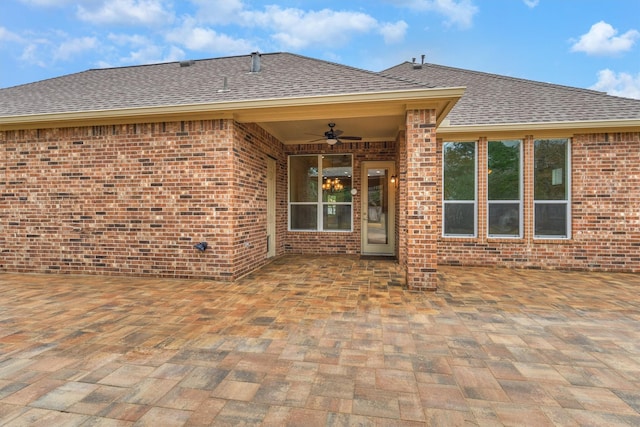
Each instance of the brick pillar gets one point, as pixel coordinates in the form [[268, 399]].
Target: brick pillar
[[401, 199], [422, 199]]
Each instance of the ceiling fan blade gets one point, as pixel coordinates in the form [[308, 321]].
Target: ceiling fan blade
[[332, 136]]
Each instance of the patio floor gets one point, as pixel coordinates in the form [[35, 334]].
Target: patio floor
[[317, 341]]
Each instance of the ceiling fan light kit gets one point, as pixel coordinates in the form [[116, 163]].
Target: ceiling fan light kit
[[333, 136]]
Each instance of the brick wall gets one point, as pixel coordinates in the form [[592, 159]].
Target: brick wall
[[422, 199], [605, 213], [132, 199], [337, 242], [252, 147], [401, 199]]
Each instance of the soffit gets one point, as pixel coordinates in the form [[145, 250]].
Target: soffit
[[293, 97], [539, 130], [375, 116]]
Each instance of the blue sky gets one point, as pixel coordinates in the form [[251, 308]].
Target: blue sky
[[583, 43]]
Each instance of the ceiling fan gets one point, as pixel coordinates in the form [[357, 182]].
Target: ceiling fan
[[334, 136]]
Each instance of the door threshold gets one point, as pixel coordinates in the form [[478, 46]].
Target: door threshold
[[378, 257]]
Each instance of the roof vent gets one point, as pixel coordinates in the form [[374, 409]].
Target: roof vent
[[225, 85], [187, 63], [255, 62], [418, 66]]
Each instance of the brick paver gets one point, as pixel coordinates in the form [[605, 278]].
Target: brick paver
[[321, 341]]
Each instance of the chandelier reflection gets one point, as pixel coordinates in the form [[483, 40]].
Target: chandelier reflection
[[332, 184]]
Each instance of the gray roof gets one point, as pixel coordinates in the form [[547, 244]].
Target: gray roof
[[282, 75], [489, 98], [494, 99]]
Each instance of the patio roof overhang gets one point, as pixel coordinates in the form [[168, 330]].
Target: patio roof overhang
[[372, 115]]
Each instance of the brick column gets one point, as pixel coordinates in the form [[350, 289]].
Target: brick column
[[423, 186]]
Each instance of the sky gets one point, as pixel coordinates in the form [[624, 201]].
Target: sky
[[591, 44]]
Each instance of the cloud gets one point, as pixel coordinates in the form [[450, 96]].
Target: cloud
[[31, 54], [138, 49], [456, 12], [205, 39], [9, 36], [618, 84], [128, 12], [148, 54], [48, 2], [152, 54], [394, 33], [73, 47], [531, 3], [47, 49], [295, 28], [129, 39], [602, 40], [218, 11]]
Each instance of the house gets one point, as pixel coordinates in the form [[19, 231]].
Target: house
[[131, 170], [556, 174]]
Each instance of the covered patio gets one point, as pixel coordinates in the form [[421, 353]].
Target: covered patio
[[314, 341]]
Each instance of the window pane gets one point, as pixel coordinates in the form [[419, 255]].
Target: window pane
[[504, 170], [304, 217], [314, 179], [459, 170], [551, 220], [303, 179], [337, 217], [459, 219], [504, 219], [336, 178], [551, 169]]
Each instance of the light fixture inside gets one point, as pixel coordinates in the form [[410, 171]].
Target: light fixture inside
[[331, 141], [332, 185]]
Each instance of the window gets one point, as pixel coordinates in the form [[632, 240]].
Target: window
[[320, 193], [551, 188], [459, 192], [504, 188]]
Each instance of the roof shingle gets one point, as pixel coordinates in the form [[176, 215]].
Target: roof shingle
[[489, 98], [282, 75], [494, 99]]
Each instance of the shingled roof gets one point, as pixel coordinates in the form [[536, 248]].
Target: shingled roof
[[489, 99], [281, 75], [494, 99]]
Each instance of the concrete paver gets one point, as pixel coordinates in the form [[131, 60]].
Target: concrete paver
[[322, 341]]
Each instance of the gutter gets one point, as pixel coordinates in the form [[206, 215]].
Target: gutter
[[627, 124], [228, 109]]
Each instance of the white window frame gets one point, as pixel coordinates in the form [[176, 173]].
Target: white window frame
[[566, 202], [319, 202], [518, 201], [475, 195]]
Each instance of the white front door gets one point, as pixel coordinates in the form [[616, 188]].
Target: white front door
[[271, 207], [378, 208]]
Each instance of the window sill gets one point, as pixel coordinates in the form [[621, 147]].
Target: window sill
[[506, 240], [555, 241], [320, 231]]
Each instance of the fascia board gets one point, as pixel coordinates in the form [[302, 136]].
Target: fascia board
[[247, 108], [631, 125]]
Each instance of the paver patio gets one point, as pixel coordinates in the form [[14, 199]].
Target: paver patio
[[311, 341]]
